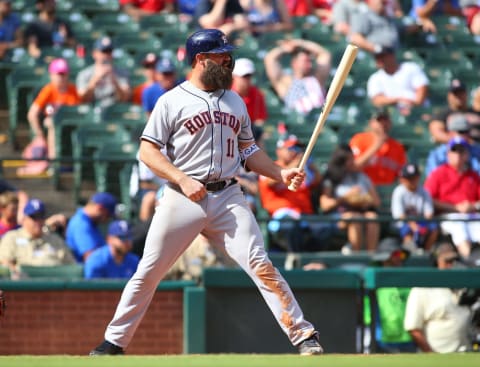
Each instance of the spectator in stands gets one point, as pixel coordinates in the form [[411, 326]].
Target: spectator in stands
[[267, 16], [322, 9], [457, 126], [412, 209], [455, 189], [252, 96], [83, 234], [198, 256], [165, 79], [349, 194], [476, 99], [299, 8], [376, 153], [103, 84], [390, 335], [457, 100], [433, 316], [373, 28], [295, 233], [10, 205], [225, 15], [114, 259], [8, 212], [5, 187], [343, 12], [426, 10], [60, 91], [31, 244], [402, 85], [47, 30], [137, 9], [303, 89], [11, 35], [471, 12], [148, 64]]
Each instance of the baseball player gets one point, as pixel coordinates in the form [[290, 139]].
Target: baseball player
[[206, 131]]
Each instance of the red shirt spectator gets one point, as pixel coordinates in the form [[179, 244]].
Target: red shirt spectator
[[251, 95], [299, 8]]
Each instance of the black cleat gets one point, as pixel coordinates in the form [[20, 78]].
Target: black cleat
[[310, 346], [107, 348]]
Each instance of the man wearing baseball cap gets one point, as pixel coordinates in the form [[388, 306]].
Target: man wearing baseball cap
[[148, 64], [281, 203], [457, 102], [30, 244], [114, 259], [165, 79], [83, 234], [243, 73], [410, 199], [457, 126], [102, 84], [455, 189]]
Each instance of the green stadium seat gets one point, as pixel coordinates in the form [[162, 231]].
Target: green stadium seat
[[66, 120], [94, 7], [114, 23], [86, 140], [70, 271], [138, 42], [162, 23], [112, 168], [130, 116], [20, 82]]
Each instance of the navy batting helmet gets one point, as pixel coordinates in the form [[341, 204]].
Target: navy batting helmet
[[207, 41]]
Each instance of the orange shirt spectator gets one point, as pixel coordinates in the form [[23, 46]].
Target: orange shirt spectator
[[59, 91], [50, 96], [276, 196], [376, 153]]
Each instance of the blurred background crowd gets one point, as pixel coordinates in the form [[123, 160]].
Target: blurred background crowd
[[398, 159]]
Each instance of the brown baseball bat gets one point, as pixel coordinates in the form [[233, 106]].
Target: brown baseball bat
[[335, 88]]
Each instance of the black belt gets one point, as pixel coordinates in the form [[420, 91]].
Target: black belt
[[219, 185]]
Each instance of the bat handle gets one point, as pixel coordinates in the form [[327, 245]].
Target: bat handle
[[301, 166]]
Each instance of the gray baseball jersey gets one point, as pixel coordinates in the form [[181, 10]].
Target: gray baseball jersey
[[200, 131]]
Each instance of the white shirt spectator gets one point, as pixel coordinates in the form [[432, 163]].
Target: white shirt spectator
[[403, 83]]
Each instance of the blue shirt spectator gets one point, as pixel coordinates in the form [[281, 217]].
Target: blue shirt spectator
[[10, 31], [457, 125], [113, 260], [165, 76], [439, 8], [9, 24], [83, 234]]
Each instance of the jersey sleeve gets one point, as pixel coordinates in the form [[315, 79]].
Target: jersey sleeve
[[157, 129]]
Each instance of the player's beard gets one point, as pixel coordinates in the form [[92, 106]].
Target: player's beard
[[217, 76]]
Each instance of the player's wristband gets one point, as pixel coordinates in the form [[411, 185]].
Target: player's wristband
[[247, 152]]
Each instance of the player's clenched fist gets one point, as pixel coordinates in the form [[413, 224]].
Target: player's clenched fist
[[192, 189], [293, 177]]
